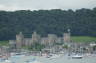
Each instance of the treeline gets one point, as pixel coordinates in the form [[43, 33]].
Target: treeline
[[56, 21]]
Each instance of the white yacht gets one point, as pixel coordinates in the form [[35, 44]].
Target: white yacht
[[77, 56]]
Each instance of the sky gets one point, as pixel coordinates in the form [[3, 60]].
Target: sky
[[11, 5]]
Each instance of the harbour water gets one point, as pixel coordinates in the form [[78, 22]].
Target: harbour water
[[40, 59], [65, 59]]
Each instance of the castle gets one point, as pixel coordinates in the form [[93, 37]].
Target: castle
[[50, 40]]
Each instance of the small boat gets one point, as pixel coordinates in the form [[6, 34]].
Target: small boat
[[77, 56], [7, 61], [55, 56]]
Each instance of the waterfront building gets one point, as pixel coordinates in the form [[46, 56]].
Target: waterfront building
[[93, 47]]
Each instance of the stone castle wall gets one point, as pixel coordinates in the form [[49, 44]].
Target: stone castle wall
[[48, 41]]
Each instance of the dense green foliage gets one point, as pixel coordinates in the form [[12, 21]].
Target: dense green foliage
[[81, 22]]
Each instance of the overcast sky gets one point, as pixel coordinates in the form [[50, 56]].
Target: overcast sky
[[11, 5]]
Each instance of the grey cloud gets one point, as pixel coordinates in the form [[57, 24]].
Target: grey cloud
[[48, 4]]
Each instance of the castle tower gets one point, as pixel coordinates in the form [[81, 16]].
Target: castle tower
[[66, 36], [19, 40], [35, 37]]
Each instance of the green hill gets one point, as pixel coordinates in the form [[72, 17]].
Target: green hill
[[82, 22], [83, 39]]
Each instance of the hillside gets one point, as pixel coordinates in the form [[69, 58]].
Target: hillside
[[82, 22]]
